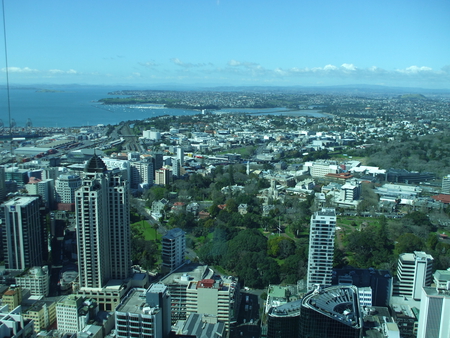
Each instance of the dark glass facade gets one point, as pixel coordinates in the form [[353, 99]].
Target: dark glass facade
[[284, 326], [313, 324]]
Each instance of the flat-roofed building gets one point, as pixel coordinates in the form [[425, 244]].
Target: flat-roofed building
[[178, 282], [12, 297], [42, 313], [37, 280], [173, 249], [435, 307], [214, 297], [14, 324], [23, 240], [73, 313], [414, 271], [144, 313]]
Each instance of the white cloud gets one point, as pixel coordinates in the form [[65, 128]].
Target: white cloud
[[180, 63], [20, 70], [59, 71], [234, 63], [330, 67], [415, 70], [349, 66]]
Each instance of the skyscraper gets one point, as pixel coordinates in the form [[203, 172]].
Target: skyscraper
[[23, 233], [103, 226], [321, 247]]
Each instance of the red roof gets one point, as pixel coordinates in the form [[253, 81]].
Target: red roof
[[442, 198]]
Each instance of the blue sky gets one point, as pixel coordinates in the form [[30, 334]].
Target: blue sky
[[228, 42]]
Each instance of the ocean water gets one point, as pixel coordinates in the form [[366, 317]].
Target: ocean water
[[79, 106]]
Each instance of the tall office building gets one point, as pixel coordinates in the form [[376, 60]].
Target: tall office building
[[321, 247], [103, 226], [173, 249], [435, 307], [23, 233], [414, 271]]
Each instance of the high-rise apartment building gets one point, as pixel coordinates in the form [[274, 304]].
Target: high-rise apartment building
[[23, 242], [103, 226], [141, 174], [414, 271], [321, 247], [435, 307], [163, 176], [173, 249]]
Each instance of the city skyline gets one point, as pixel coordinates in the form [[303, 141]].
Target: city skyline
[[217, 42]]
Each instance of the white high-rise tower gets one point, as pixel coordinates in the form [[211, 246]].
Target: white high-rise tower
[[321, 247], [103, 226]]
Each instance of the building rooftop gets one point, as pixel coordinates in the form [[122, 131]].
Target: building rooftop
[[326, 212], [174, 233], [337, 302], [287, 310], [187, 273]]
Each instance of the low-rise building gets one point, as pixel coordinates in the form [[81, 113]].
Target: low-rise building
[[73, 313], [36, 279]]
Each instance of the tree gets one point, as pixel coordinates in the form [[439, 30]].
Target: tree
[[408, 242]]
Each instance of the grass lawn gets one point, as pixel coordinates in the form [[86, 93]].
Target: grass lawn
[[150, 234]]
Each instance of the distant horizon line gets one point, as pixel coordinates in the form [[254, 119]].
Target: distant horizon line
[[240, 87]]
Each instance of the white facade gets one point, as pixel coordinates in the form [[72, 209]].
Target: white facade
[[144, 313], [446, 184], [365, 296], [151, 135], [37, 280], [350, 191], [73, 312], [414, 271], [214, 298], [103, 226], [65, 187], [141, 174], [435, 308], [22, 233], [321, 247], [322, 168]]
